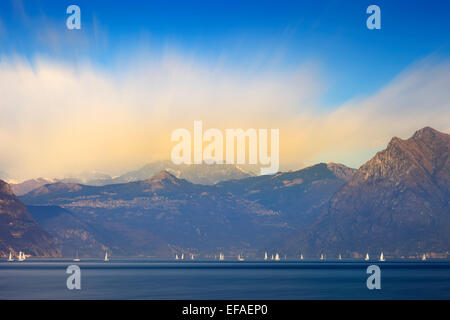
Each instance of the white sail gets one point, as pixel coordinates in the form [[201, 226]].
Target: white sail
[[277, 257], [265, 256], [367, 257], [301, 256], [192, 256], [382, 257], [424, 257], [106, 256], [21, 256], [176, 257], [221, 256], [340, 257], [240, 258], [76, 257], [182, 256], [10, 257], [322, 257]]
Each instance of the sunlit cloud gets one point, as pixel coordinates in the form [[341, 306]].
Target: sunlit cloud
[[59, 119], [352, 133]]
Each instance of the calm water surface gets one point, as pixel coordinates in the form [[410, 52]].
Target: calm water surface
[[133, 279]]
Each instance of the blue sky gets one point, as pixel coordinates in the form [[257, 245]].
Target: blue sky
[[108, 96], [282, 34]]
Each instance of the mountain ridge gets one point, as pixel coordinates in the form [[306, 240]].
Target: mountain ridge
[[230, 215], [397, 202], [401, 193], [195, 173], [19, 231]]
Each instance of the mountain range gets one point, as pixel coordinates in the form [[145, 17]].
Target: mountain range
[[397, 202], [177, 215], [196, 173]]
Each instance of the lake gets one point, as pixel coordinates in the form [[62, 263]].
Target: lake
[[145, 279]]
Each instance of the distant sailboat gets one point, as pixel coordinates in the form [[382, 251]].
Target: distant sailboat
[[21, 256], [240, 258], [10, 257], [271, 257], [340, 257], [192, 256], [424, 257], [367, 257], [265, 256], [322, 257], [382, 257], [301, 256], [277, 257], [76, 257], [182, 256], [176, 257], [221, 257], [106, 256]]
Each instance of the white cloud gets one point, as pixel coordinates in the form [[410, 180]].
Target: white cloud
[[417, 98], [58, 119]]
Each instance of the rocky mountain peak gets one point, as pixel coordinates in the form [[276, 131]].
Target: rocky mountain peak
[[163, 179], [5, 189], [422, 155], [428, 134], [341, 171]]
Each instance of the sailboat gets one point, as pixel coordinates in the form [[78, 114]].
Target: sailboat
[[221, 257], [277, 257], [301, 256], [10, 257], [106, 256], [322, 257], [76, 257], [424, 257], [182, 256], [265, 256], [176, 257], [271, 257], [340, 257], [21, 256], [367, 257], [192, 256], [382, 257], [240, 258]]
